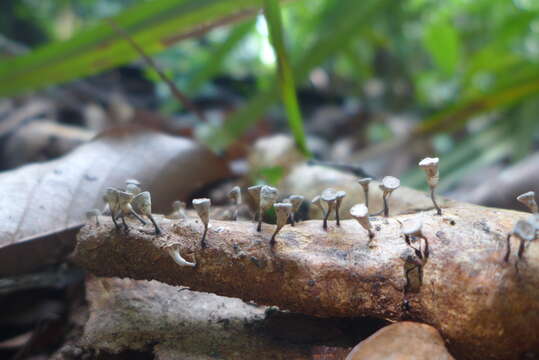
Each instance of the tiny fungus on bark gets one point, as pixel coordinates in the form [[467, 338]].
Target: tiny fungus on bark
[[120, 205], [329, 196], [412, 229], [296, 201], [317, 201], [282, 213], [202, 207], [254, 191], [132, 186], [364, 182], [524, 230], [388, 185], [268, 197], [178, 259], [528, 199], [93, 214], [178, 210], [430, 166], [360, 212], [142, 204], [235, 196], [340, 196]]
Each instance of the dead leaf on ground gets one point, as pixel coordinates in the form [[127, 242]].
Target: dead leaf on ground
[[45, 200]]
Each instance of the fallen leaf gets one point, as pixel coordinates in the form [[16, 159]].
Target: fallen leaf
[[44, 200]]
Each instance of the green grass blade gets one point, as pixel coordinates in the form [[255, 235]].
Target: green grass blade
[[154, 25], [272, 14]]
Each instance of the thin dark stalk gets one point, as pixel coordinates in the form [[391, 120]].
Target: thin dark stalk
[[386, 207], [432, 196], [259, 226], [142, 221], [203, 241], [337, 217], [113, 215], [157, 229], [508, 252]]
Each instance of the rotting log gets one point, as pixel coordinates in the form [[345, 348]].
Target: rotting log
[[484, 307]]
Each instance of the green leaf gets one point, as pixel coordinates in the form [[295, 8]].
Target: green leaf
[[154, 25], [272, 13], [442, 42]]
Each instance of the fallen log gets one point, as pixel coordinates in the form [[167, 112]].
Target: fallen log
[[484, 307]]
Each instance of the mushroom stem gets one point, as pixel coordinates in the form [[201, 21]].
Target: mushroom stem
[[178, 259], [272, 240], [157, 229], [132, 212], [326, 215], [508, 252], [433, 198], [113, 216], [203, 241], [259, 226], [386, 207]]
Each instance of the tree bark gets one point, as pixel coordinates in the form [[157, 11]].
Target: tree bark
[[484, 307]]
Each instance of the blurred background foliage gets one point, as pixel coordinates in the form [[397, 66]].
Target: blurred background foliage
[[463, 73]]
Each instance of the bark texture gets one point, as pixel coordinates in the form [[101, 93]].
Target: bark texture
[[483, 307]]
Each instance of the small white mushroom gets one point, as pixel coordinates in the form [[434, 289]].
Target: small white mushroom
[[142, 204], [524, 230], [282, 213], [202, 207], [528, 199], [413, 228], [340, 196], [317, 201], [254, 192], [235, 196], [364, 182], [360, 212], [119, 203], [296, 201], [430, 166], [329, 196], [93, 214], [178, 259], [268, 196], [178, 210], [132, 186], [388, 185]]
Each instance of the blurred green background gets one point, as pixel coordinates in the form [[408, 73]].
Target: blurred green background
[[463, 74]]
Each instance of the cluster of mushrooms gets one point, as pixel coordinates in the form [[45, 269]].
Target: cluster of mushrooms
[[132, 201]]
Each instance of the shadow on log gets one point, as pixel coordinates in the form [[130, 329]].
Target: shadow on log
[[483, 307]]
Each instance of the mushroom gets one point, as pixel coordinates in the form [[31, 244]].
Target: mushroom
[[254, 191], [360, 212], [93, 214], [430, 166], [528, 199], [202, 207], [296, 201], [525, 230], [329, 196], [120, 204], [132, 186], [268, 196], [178, 259], [412, 228], [235, 196], [340, 196], [388, 185], [178, 210], [317, 201], [364, 182], [282, 213], [142, 204]]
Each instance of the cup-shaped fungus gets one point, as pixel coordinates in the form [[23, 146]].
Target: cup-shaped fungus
[[93, 214], [329, 196], [430, 166], [142, 204], [119, 203], [524, 230], [388, 185], [364, 182], [254, 191], [235, 196], [528, 199], [282, 213], [317, 201], [340, 196], [132, 186], [202, 207], [360, 212], [412, 229], [268, 196], [296, 201]]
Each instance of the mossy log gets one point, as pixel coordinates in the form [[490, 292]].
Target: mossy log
[[484, 308]]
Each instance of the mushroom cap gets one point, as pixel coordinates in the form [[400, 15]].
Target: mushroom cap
[[235, 194], [364, 181], [202, 204], [359, 211], [296, 201], [178, 205], [124, 198], [316, 200], [429, 162], [142, 203], [526, 197], [341, 194], [132, 189], [268, 196], [329, 195], [412, 227], [389, 183], [282, 207], [525, 230], [132, 182], [254, 191], [110, 195]]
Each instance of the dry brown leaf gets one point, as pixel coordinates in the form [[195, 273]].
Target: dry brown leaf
[[40, 201]]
